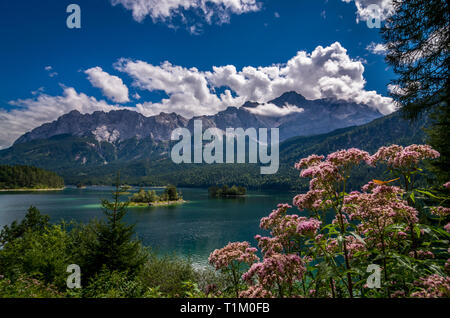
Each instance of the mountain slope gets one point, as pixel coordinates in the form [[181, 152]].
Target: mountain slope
[[157, 169], [318, 116]]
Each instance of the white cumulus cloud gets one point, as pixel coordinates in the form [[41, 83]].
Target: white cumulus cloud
[[111, 86], [209, 11], [377, 48], [33, 112], [327, 72], [272, 110]]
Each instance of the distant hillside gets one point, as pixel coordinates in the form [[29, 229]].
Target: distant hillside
[[310, 117], [159, 169], [24, 177], [91, 147], [384, 131]]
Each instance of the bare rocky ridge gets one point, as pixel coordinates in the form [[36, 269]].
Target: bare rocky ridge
[[317, 117]]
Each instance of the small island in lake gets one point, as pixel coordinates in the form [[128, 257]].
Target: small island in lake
[[149, 198], [227, 192], [25, 178]]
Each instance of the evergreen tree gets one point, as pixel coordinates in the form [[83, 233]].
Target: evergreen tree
[[172, 194], [33, 221], [417, 39], [114, 247]]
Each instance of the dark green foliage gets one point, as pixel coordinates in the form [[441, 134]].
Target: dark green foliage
[[168, 273], [225, 191], [143, 196], [21, 177], [439, 139], [171, 192], [42, 255], [113, 247], [34, 221], [114, 284], [418, 40], [26, 287]]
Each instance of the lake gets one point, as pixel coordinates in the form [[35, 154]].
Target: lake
[[192, 230]]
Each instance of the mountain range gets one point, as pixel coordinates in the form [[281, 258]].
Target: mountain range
[[92, 147], [306, 117]]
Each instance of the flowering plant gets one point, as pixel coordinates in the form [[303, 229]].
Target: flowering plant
[[400, 228]]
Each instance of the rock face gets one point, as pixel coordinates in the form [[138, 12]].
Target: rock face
[[111, 127], [115, 127]]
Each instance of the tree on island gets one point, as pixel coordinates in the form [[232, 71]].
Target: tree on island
[[143, 196], [170, 194], [225, 191]]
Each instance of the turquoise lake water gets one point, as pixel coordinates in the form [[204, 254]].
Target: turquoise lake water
[[192, 230]]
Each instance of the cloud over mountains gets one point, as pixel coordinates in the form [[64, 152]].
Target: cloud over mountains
[[111, 86], [326, 72]]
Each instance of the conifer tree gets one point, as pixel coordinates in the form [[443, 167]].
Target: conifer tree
[[115, 248], [417, 40]]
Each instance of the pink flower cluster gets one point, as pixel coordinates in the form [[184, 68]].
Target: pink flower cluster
[[312, 200], [433, 286], [269, 245], [276, 269], [240, 252], [308, 227], [325, 172], [378, 209], [307, 162], [274, 218], [383, 203], [256, 291], [447, 227], [447, 185], [325, 175], [285, 230], [440, 211], [421, 254], [353, 245], [352, 156], [399, 157]]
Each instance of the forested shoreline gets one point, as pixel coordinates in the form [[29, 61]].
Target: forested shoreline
[[28, 178]]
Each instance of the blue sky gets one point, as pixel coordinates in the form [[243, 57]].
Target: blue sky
[[116, 59]]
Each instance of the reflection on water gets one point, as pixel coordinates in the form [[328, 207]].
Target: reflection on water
[[194, 229]]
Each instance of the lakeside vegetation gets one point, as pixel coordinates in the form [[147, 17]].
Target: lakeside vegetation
[[398, 227], [227, 192], [28, 178], [34, 255], [169, 197]]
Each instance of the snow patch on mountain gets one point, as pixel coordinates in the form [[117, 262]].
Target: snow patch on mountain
[[102, 133]]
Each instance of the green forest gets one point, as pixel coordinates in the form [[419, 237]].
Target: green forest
[[24, 177]]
